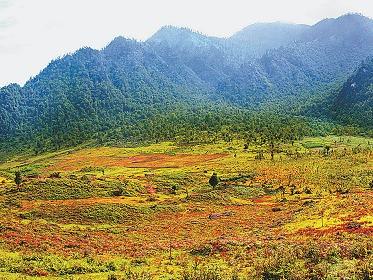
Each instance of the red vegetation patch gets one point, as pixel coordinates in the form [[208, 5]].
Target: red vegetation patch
[[262, 199], [74, 162], [337, 230], [151, 190], [185, 230]]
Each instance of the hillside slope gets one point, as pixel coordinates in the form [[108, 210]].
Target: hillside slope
[[325, 53], [354, 102], [114, 90]]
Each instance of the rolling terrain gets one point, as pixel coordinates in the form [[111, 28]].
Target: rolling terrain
[[148, 212], [192, 157]]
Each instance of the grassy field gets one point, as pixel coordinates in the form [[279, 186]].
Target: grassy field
[[150, 213]]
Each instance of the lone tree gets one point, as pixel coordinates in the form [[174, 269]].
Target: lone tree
[[18, 178], [214, 180], [327, 150]]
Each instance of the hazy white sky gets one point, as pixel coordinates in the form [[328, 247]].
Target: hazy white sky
[[33, 32]]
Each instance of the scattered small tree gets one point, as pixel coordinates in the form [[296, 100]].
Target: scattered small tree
[[174, 188], [259, 155], [307, 190], [118, 192], [38, 147], [214, 180], [272, 149], [326, 150], [18, 178]]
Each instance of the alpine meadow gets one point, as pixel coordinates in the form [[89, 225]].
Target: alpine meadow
[[186, 156]]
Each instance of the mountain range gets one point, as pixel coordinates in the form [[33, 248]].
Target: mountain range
[[295, 68]]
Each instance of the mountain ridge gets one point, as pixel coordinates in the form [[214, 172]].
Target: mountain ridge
[[127, 82]]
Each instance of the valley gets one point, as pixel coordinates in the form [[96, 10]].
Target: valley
[[149, 212], [170, 154]]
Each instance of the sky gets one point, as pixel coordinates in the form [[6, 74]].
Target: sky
[[33, 32]]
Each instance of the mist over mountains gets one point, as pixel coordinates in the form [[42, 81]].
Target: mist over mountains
[[178, 70]]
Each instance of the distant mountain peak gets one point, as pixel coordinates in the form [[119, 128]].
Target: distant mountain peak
[[180, 37], [120, 46], [170, 30], [269, 29], [258, 38], [176, 29], [353, 16], [121, 41], [347, 28]]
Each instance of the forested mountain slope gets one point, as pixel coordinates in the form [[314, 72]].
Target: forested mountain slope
[[353, 104], [327, 52], [93, 91], [254, 40], [178, 71]]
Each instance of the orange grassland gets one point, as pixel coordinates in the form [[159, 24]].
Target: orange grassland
[[149, 213]]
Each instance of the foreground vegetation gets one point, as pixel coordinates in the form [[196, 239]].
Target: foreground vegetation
[[296, 210]]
